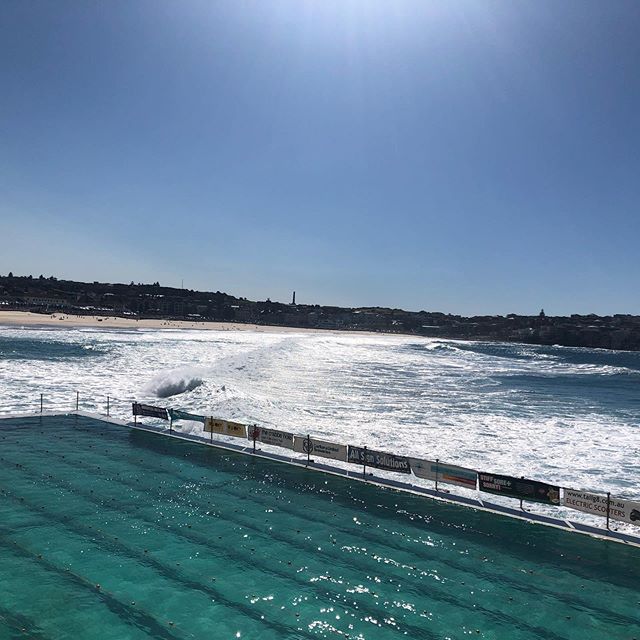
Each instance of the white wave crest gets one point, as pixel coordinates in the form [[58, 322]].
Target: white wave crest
[[173, 382]]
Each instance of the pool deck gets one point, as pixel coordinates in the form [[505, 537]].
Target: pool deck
[[371, 477]]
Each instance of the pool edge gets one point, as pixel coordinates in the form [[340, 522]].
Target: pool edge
[[371, 478]]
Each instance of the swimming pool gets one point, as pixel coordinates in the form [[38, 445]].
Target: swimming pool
[[110, 532]]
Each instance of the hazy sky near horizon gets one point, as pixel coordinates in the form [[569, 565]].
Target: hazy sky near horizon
[[459, 156]]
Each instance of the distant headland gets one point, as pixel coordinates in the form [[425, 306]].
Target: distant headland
[[154, 302]]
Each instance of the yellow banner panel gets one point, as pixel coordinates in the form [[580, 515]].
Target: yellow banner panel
[[236, 429], [214, 425]]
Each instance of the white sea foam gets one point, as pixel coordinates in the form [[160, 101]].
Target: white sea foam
[[174, 382]]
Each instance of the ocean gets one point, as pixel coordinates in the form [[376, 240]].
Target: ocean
[[567, 416]]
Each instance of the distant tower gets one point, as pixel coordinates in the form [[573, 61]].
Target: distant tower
[[294, 298], [542, 313]]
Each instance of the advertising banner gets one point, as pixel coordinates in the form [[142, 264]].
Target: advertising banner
[[225, 427], [519, 488], [585, 502], [271, 436], [150, 411], [177, 414], [214, 425], [596, 504], [625, 511], [447, 473], [235, 429], [322, 448], [379, 459]]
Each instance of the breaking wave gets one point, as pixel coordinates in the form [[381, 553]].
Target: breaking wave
[[174, 382]]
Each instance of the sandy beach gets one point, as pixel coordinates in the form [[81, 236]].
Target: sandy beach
[[66, 320]]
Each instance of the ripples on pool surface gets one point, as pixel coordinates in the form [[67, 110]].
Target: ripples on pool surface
[[107, 533]]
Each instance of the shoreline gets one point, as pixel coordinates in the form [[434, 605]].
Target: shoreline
[[59, 320]]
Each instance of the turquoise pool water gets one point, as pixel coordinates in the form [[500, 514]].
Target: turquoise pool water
[[107, 532]]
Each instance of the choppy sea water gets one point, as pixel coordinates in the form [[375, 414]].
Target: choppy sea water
[[563, 415]]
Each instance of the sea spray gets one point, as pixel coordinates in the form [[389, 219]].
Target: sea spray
[[174, 382]]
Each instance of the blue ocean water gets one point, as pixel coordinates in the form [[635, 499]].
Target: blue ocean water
[[34, 349], [111, 533]]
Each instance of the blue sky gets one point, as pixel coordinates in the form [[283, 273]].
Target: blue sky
[[466, 157]]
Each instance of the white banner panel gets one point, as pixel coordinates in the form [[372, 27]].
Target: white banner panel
[[273, 437], [321, 448], [625, 511], [596, 504], [585, 502], [447, 473]]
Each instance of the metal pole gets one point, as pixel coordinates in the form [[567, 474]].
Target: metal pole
[[255, 435], [41, 402], [308, 449], [77, 400], [437, 471], [107, 406], [364, 465], [608, 509], [521, 507]]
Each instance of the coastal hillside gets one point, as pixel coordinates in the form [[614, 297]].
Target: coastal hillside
[[47, 295]]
